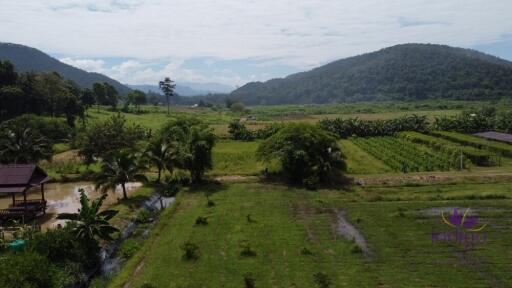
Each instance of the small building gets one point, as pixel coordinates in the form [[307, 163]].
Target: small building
[[16, 180]]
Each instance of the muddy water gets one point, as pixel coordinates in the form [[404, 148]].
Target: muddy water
[[65, 197]]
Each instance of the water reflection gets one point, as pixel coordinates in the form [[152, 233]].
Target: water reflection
[[65, 198]]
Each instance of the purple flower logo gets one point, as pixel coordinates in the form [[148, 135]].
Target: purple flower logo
[[462, 221]]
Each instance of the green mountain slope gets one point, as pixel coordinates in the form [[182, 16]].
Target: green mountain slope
[[404, 72], [29, 59]]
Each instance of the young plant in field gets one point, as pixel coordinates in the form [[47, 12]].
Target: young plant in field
[[90, 221], [191, 251]]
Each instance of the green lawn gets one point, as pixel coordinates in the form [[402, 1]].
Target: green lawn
[[236, 157], [286, 220]]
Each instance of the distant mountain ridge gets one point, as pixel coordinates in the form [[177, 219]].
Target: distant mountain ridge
[[188, 88], [401, 72], [26, 59]]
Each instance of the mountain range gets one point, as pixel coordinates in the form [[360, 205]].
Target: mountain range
[[26, 59], [401, 72]]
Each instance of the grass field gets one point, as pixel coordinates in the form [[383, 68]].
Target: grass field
[[285, 221]]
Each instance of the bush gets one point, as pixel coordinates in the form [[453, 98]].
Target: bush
[[249, 280], [191, 251], [238, 131], [307, 154], [201, 221], [356, 249], [144, 216], [27, 268], [322, 280], [129, 248], [247, 250]]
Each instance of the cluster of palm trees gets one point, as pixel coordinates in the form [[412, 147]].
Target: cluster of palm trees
[[21, 144], [181, 144]]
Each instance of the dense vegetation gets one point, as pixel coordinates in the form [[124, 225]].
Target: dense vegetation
[[307, 154], [27, 59], [402, 72]]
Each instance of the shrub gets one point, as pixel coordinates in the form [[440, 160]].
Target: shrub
[[238, 131], [322, 280], [144, 216], [249, 280], [201, 221], [27, 268], [356, 249], [306, 252], [191, 251], [129, 248], [247, 250]]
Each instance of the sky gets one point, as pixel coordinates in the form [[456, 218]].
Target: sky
[[237, 41]]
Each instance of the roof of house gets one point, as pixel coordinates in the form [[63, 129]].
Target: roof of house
[[16, 178], [492, 135]]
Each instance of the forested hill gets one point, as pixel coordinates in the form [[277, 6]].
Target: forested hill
[[29, 59], [404, 72]]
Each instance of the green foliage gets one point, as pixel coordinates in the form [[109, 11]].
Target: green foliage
[[41, 94], [20, 144], [163, 153], [307, 154], [103, 138], [247, 250], [402, 72], [128, 248], [238, 131], [167, 86], [249, 280], [405, 156], [200, 220], [480, 143], [90, 221], [62, 247], [477, 156], [197, 153], [26, 270], [237, 107], [105, 94], [322, 280], [191, 251], [136, 98], [345, 128], [120, 168]]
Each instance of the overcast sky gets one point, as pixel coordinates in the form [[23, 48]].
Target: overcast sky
[[236, 41]]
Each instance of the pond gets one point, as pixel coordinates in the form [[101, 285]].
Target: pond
[[65, 198]]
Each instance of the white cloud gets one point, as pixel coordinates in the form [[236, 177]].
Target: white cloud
[[302, 33]]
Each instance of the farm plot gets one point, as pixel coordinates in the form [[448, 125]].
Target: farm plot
[[405, 156], [477, 156], [470, 140]]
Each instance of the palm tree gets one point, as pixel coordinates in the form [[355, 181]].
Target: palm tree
[[21, 145], [90, 222], [119, 169], [163, 155]]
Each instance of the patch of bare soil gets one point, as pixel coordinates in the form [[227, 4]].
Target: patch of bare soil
[[350, 232]]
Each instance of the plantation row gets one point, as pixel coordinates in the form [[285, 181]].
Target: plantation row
[[476, 156], [405, 156], [470, 140]]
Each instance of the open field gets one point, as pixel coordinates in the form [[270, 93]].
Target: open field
[[294, 235], [153, 117]]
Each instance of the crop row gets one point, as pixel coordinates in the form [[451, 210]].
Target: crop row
[[477, 156], [470, 140], [405, 156]]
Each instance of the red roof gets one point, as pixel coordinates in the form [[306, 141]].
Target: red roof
[[16, 178]]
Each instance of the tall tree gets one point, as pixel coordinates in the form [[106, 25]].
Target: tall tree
[[98, 90], [119, 169], [87, 98], [167, 86]]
